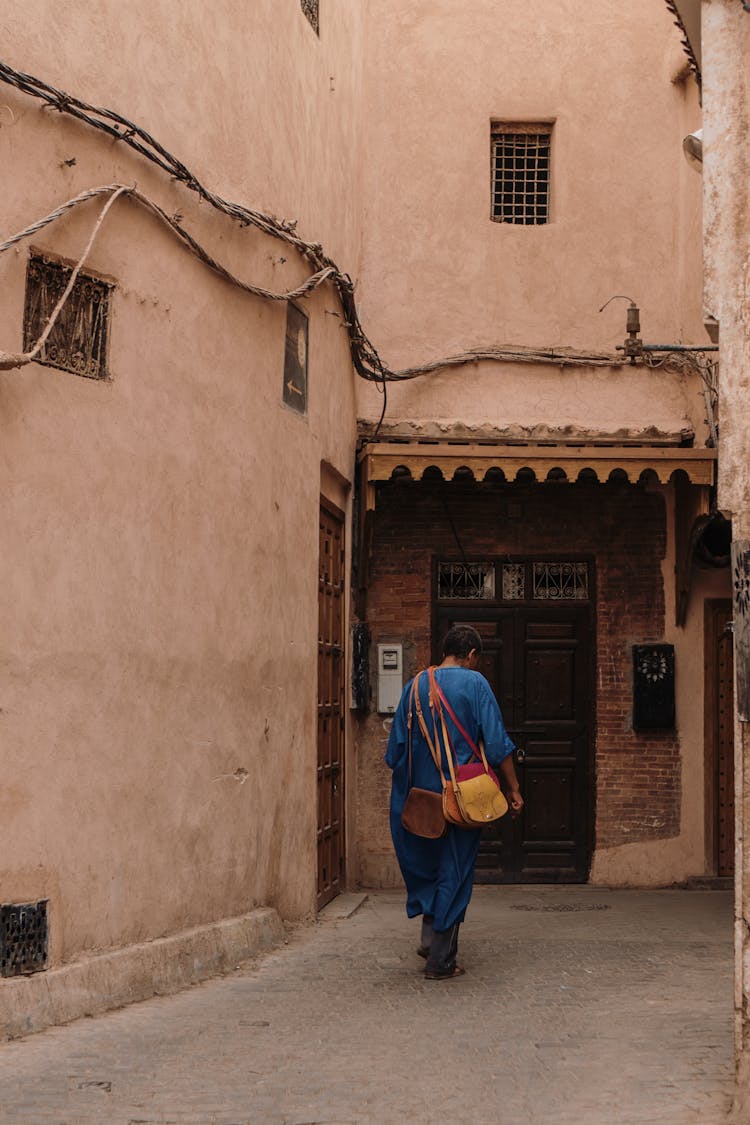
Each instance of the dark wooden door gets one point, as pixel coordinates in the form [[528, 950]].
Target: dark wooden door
[[539, 664], [330, 704], [720, 733]]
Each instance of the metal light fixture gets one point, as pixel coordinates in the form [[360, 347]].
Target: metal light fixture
[[692, 146], [633, 345]]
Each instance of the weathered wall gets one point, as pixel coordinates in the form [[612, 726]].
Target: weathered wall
[[726, 180], [158, 606]]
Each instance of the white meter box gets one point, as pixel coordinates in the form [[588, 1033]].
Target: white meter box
[[390, 677]]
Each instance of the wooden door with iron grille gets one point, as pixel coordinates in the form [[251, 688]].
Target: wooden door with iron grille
[[539, 664], [330, 704]]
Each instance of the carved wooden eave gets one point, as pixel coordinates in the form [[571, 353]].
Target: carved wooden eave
[[384, 461], [695, 471]]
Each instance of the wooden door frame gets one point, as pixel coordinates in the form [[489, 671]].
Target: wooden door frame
[[712, 607], [332, 510], [591, 603]]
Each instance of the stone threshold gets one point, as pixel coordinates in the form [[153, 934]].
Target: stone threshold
[[110, 980]]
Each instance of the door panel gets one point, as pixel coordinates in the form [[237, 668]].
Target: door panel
[[538, 663], [330, 705]]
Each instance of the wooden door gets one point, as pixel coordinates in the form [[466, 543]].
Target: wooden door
[[330, 704], [720, 735], [539, 664]]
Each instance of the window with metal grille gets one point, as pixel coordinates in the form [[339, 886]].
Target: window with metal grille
[[561, 581], [520, 156], [310, 8], [474, 581], [78, 340]]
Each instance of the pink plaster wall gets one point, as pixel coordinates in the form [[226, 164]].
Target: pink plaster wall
[[158, 607], [440, 277]]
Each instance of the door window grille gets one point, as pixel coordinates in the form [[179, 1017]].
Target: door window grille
[[521, 173], [514, 582], [310, 8], [78, 340], [467, 581], [560, 581]]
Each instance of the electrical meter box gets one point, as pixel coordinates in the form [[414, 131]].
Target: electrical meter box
[[390, 677]]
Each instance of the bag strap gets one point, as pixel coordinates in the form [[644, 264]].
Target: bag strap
[[478, 753], [415, 703]]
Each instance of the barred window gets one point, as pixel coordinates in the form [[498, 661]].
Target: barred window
[[472, 581], [78, 340], [520, 167], [565, 581], [310, 8]]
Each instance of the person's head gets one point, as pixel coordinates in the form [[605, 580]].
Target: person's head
[[463, 643]]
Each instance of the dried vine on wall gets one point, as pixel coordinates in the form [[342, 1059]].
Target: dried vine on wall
[[367, 363]]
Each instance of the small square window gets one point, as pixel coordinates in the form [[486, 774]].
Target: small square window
[[78, 340], [520, 171]]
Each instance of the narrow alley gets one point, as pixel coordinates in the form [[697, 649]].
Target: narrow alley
[[579, 1005]]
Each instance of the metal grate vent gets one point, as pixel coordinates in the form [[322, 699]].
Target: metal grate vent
[[521, 173], [24, 937], [78, 340], [311, 10]]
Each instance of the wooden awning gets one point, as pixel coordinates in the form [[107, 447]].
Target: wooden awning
[[383, 461], [411, 460]]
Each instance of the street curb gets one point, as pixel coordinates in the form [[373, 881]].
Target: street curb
[[110, 980]]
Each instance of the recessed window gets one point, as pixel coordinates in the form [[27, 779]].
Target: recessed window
[[310, 8], [520, 155], [78, 340]]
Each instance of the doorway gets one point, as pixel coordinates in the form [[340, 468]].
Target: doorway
[[539, 660], [330, 772], [719, 737]]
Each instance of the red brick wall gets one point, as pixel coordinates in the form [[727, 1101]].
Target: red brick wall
[[623, 528]]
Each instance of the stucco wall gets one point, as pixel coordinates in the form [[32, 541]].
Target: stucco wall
[[440, 277], [158, 608]]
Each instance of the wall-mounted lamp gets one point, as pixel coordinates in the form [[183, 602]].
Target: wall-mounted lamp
[[633, 345], [692, 146]]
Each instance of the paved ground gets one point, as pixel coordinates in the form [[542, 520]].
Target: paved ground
[[579, 1007]]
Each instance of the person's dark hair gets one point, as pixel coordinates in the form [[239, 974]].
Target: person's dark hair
[[460, 640]]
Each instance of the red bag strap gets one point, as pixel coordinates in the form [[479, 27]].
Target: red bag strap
[[464, 734]]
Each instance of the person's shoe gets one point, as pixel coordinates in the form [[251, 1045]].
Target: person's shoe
[[456, 971], [423, 951]]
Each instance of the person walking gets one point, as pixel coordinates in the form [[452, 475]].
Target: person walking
[[439, 873]]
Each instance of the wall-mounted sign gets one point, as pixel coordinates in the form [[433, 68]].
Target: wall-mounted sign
[[295, 359], [653, 687]]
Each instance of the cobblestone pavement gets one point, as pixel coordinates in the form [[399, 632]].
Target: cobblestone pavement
[[579, 1005]]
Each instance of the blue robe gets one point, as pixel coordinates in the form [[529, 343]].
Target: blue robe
[[439, 874]]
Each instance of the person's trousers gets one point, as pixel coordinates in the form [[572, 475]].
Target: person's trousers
[[442, 945]]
